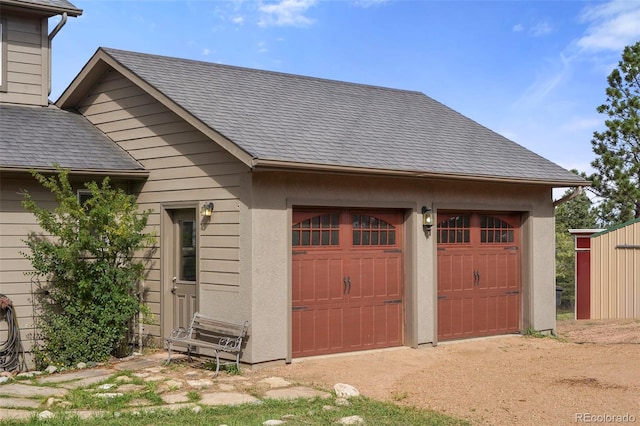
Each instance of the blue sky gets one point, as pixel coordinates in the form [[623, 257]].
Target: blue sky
[[534, 71]]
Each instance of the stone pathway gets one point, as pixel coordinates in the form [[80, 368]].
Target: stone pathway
[[176, 384]]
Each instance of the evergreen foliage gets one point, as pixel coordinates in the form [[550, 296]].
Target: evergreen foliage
[[617, 177], [577, 213]]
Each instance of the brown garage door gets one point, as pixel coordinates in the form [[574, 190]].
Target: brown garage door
[[478, 274], [347, 281]]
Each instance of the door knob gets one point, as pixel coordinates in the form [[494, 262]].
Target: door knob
[[174, 288]]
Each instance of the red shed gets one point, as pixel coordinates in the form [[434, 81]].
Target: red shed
[[582, 238]]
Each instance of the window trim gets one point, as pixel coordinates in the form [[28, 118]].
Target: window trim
[[83, 192], [3, 55]]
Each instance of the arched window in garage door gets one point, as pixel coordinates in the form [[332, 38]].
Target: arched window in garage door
[[346, 280], [478, 274]]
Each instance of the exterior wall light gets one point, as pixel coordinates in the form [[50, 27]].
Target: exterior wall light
[[427, 219], [206, 210]]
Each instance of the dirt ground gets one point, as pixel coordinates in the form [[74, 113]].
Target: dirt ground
[[592, 369]]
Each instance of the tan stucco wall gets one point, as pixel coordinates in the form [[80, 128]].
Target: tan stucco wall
[[273, 195]]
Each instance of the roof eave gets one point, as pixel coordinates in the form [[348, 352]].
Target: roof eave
[[272, 165], [131, 174], [41, 8]]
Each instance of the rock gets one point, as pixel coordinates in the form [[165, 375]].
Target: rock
[[52, 401], [124, 379], [344, 390], [273, 422], [25, 375], [276, 382], [131, 388], [328, 407], [342, 402], [81, 365], [46, 414], [4, 379], [6, 374], [51, 369], [157, 378], [106, 386], [196, 409], [108, 395], [174, 384], [202, 383], [351, 420]]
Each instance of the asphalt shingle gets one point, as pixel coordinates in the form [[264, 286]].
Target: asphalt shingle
[[33, 136], [284, 117]]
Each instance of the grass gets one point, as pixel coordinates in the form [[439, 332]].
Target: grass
[[564, 314], [296, 412]]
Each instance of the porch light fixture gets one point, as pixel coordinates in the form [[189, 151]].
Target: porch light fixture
[[206, 210], [427, 219]]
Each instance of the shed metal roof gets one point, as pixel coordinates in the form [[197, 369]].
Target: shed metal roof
[[38, 137]]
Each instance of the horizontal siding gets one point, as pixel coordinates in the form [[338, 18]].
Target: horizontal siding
[[615, 274], [27, 66], [15, 225], [184, 165]]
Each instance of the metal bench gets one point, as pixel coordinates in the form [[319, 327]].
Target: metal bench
[[205, 332]]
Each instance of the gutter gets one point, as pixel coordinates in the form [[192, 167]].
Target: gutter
[[573, 194], [53, 33], [132, 174], [276, 165]]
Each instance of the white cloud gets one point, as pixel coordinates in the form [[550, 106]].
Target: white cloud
[[206, 51], [517, 28], [581, 123], [238, 20], [612, 26], [286, 13], [541, 29], [369, 3], [262, 47], [546, 83]]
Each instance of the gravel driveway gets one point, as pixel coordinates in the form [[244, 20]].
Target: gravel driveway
[[593, 369]]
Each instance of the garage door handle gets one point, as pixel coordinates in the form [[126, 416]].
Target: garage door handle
[[478, 280], [476, 277], [344, 288], [348, 285]]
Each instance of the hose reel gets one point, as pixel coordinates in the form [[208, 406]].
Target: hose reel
[[11, 352]]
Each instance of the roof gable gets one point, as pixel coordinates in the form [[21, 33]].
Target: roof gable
[[311, 122]]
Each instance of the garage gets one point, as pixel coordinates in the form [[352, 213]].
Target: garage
[[478, 274], [347, 280]]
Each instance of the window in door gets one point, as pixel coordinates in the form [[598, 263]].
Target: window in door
[[187, 253]]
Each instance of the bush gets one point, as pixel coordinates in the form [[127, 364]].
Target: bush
[[86, 255]]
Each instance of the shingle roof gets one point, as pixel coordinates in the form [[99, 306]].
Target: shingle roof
[[283, 117], [53, 6], [38, 137]]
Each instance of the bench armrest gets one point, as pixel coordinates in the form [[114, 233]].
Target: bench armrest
[[180, 333]]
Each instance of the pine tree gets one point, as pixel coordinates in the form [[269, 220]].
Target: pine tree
[[617, 180]]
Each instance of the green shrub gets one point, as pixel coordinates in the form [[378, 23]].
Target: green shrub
[[86, 258]]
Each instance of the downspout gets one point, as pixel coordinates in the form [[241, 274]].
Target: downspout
[[573, 194], [53, 33]]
